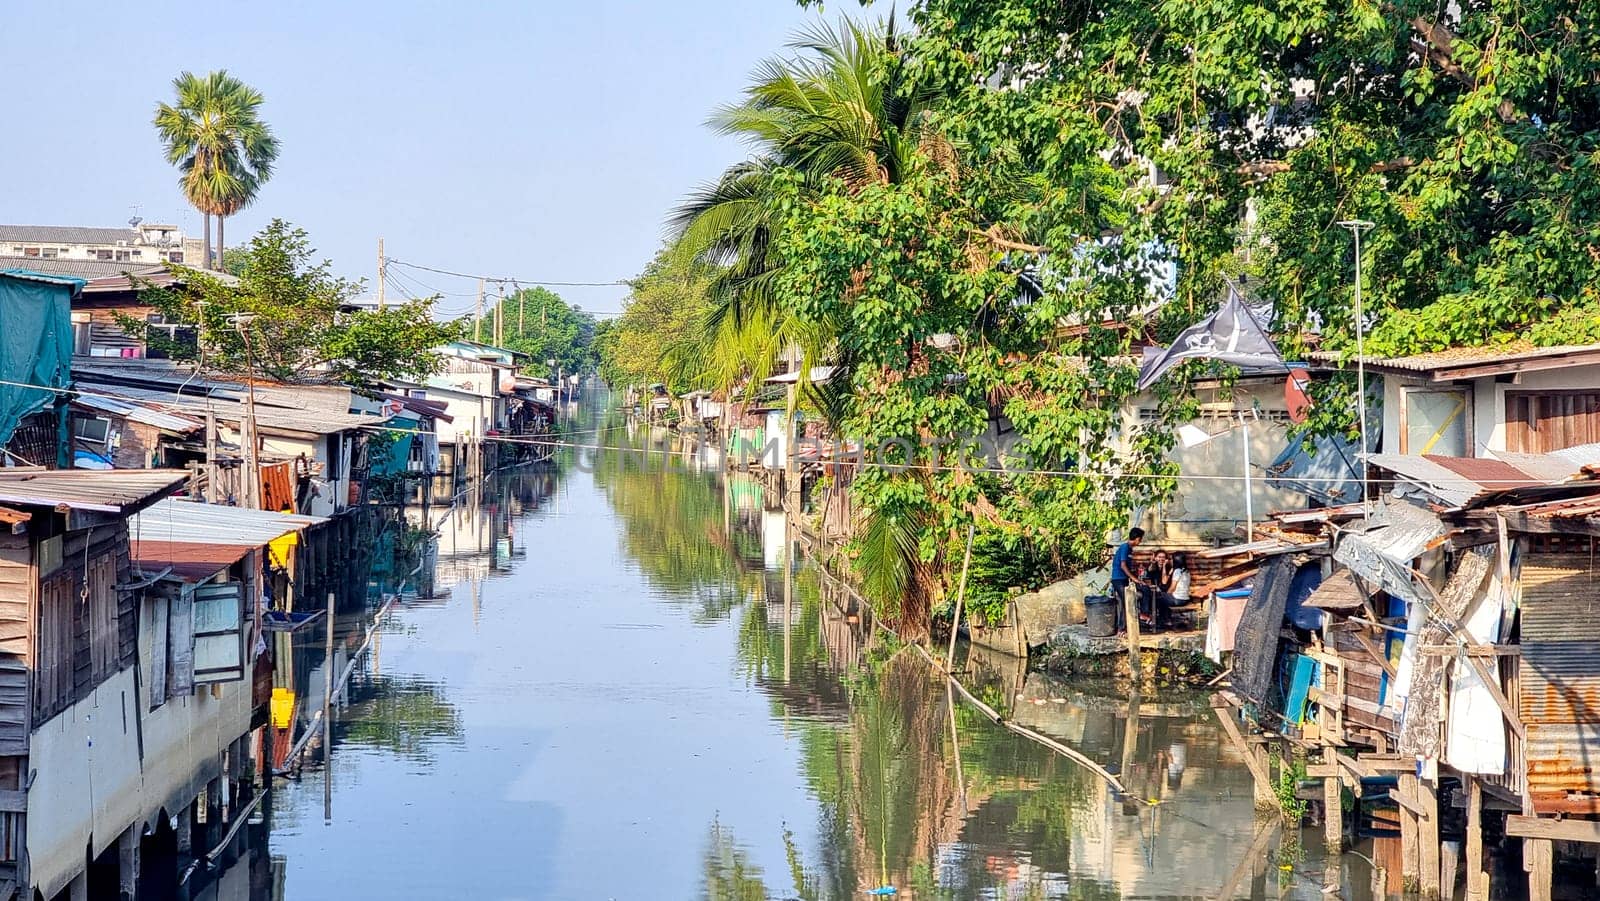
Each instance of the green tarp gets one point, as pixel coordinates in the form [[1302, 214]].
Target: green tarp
[[35, 342]]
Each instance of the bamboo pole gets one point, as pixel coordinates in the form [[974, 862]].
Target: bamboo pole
[[961, 597]]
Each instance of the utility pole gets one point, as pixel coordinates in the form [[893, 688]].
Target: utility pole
[[211, 454], [522, 309], [477, 322], [500, 318], [1357, 227], [251, 477], [383, 264]]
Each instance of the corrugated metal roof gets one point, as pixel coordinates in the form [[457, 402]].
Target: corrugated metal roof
[[139, 412], [1559, 691], [69, 234], [190, 521], [107, 491], [1511, 355], [80, 269]]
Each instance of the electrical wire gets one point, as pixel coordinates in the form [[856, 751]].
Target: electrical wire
[[507, 278], [998, 470], [862, 463]]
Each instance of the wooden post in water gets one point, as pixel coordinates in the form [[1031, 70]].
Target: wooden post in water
[[1410, 860], [1477, 876], [128, 864], [1538, 858], [327, 720], [1426, 794], [1332, 804], [1130, 606]]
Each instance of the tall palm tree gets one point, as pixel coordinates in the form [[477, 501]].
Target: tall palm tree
[[849, 110], [224, 151]]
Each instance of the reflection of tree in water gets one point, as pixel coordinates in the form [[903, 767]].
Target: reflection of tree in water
[[407, 717], [673, 528]]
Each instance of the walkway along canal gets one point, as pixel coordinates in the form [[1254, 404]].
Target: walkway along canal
[[623, 681]]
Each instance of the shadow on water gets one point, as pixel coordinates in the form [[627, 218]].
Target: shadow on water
[[623, 680]]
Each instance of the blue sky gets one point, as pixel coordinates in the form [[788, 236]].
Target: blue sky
[[543, 140]]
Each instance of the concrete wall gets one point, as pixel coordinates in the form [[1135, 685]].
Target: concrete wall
[[1210, 502]]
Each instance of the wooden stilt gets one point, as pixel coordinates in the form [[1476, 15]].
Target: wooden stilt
[[1538, 858], [1266, 791], [1426, 794], [1477, 876], [1449, 866], [128, 864], [1410, 864], [1333, 808]]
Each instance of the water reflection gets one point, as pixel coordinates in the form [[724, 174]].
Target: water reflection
[[626, 681]]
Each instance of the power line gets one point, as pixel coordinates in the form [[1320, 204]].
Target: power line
[[507, 278]]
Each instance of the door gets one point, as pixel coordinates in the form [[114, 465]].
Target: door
[[218, 638]]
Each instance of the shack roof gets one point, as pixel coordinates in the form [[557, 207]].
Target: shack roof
[[175, 520], [1456, 481], [121, 491], [817, 376], [1474, 362], [148, 413]]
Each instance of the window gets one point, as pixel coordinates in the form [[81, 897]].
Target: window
[[48, 253], [1436, 422], [104, 255], [93, 429], [175, 256], [30, 251], [82, 333], [124, 256], [79, 640], [218, 636]]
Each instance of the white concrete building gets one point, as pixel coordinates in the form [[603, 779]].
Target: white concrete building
[[141, 244]]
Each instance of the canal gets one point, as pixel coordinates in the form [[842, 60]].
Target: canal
[[622, 680]]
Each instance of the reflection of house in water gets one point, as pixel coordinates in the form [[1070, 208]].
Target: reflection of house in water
[[476, 537]]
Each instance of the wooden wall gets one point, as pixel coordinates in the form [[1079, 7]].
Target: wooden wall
[[17, 592]]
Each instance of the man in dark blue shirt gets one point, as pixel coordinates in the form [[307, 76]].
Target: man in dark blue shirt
[[1122, 573]]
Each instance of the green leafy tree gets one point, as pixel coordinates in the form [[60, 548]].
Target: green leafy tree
[[660, 335], [214, 134], [300, 325], [538, 322]]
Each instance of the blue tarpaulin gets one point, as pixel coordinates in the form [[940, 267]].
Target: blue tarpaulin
[[35, 342]]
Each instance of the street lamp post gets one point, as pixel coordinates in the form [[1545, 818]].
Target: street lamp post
[[1357, 228]]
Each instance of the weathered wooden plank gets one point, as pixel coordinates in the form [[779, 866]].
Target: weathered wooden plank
[[1521, 826]]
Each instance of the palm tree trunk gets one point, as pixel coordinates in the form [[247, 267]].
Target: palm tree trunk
[[220, 243], [205, 231]]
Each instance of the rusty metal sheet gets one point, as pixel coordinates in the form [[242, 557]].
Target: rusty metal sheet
[[1560, 599], [1558, 693]]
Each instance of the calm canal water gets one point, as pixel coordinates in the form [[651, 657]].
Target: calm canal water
[[612, 688]]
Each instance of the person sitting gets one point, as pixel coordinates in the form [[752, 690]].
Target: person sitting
[[1153, 586], [1178, 593]]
